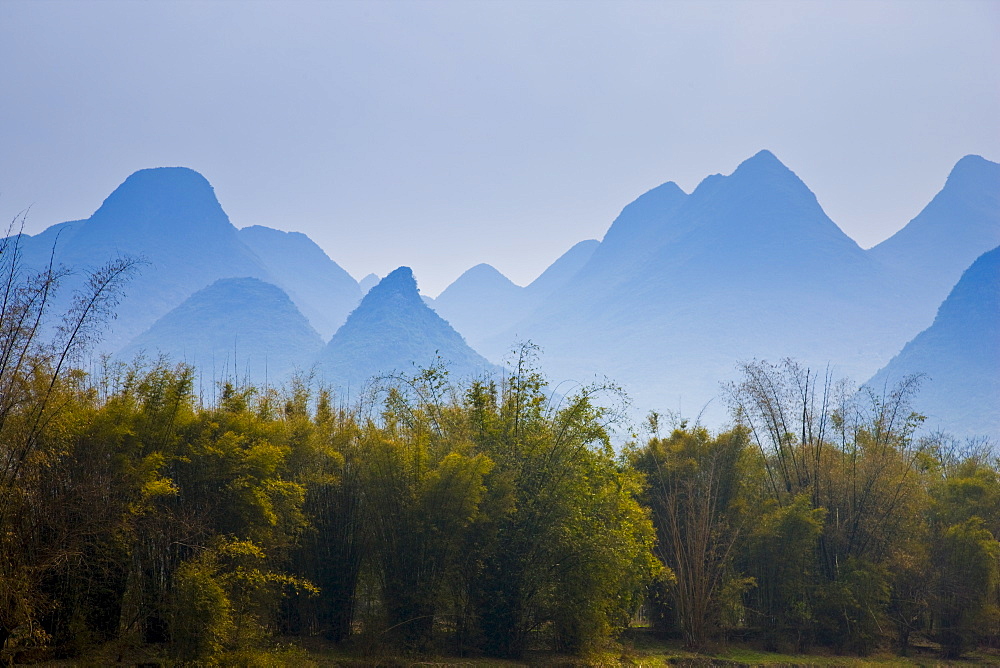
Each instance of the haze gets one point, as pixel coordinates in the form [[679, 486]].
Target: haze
[[444, 134]]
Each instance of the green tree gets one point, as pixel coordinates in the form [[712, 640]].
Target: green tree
[[423, 485], [699, 510]]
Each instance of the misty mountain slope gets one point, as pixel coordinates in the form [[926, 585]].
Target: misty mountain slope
[[961, 223], [480, 302], [392, 330], [322, 290], [367, 283], [37, 249], [560, 272], [641, 229], [960, 354], [235, 326], [760, 223], [748, 265], [168, 216]]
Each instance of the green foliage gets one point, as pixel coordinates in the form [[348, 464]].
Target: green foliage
[[486, 518], [784, 598], [966, 558], [699, 509], [562, 545], [424, 486], [201, 620]]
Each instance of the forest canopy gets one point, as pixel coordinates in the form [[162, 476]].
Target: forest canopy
[[483, 517]]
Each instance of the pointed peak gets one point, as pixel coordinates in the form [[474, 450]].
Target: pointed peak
[[480, 279], [368, 282], [973, 169], [763, 154], [482, 267], [668, 189], [483, 271], [663, 198], [399, 280], [762, 162], [758, 173], [664, 194]]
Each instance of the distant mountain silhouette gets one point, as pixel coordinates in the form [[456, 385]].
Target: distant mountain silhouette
[[322, 290], [479, 302], [367, 283], [684, 286], [236, 327], [392, 330], [168, 216], [681, 288], [960, 354], [929, 254], [560, 272], [482, 301]]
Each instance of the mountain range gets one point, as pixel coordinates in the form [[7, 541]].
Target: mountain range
[[681, 288], [482, 301], [170, 219], [749, 266], [234, 328]]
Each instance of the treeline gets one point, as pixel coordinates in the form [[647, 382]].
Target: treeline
[[820, 521], [486, 518], [464, 522]]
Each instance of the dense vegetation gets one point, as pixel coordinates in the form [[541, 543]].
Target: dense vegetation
[[480, 519]]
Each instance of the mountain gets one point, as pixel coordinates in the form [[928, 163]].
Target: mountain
[[322, 290], [480, 302], [960, 355], [239, 327], [561, 271], [961, 223], [170, 218], [392, 330], [367, 283], [682, 287], [634, 237]]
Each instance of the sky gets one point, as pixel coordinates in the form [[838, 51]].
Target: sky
[[440, 135]]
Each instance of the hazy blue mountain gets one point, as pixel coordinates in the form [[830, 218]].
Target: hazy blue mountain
[[168, 216], [684, 286], [961, 223], [480, 302], [960, 353], [368, 282], [239, 327], [392, 330], [322, 290], [560, 272], [637, 234]]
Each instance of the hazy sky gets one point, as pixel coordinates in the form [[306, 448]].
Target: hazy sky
[[444, 134]]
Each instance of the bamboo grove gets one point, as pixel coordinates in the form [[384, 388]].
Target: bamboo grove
[[487, 518]]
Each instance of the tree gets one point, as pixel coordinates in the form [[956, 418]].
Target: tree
[[851, 453], [696, 495], [37, 347]]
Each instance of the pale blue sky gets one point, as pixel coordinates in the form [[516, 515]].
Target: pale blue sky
[[444, 134]]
